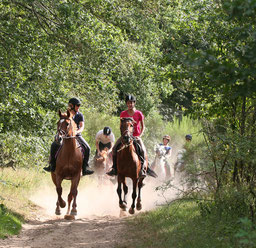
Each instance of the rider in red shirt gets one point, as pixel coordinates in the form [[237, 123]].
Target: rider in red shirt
[[137, 116], [139, 127]]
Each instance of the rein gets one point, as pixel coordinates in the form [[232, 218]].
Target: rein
[[68, 137], [123, 147], [126, 131]]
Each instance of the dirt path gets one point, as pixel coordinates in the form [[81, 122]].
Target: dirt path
[[94, 232], [98, 224]]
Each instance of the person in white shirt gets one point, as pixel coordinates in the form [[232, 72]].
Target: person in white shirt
[[104, 138]]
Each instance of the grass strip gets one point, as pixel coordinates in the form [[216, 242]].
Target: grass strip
[[181, 225], [10, 222]]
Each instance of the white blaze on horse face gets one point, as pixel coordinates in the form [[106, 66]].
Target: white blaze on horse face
[[62, 120]]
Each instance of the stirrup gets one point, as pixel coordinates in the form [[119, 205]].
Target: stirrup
[[142, 174], [87, 172], [112, 172], [48, 168]]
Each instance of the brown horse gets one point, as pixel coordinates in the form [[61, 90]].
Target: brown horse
[[101, 166], [68, 163], [101, 162], [128, 165]]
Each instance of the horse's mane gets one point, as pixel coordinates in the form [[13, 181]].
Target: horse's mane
[[124, 119]]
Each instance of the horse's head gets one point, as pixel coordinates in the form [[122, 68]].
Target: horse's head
[[160, 151], [66, 125], [103, 155], [127, 129]]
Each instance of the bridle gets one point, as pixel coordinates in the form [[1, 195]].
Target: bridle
[[65, 134], [126, 136]]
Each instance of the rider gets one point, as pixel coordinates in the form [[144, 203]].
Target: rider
[[180, 163], [188, 137], [104, 138], [74, 105], [138, 130], [167, 148]]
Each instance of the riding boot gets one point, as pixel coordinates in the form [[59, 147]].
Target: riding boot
[[85, 170], [113, 171], [52, 166], [143, 172]]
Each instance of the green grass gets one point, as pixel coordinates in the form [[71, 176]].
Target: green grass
[[181, 225], [15, 206], [10, 223], [16, 189]]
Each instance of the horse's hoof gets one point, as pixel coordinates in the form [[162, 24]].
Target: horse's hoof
[[123, 206], [131, 211], [138, 206], [57, 212], [69, 217], [73, 212]]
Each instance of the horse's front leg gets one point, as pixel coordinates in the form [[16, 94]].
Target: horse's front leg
[[74, 193], [172, 171], [140, 185], [57, 210], [122, 205], [168, 173], [125, 188], [61, 202], [134, 195]]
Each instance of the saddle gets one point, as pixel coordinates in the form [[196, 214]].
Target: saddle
[[78, 144], [137, 147]]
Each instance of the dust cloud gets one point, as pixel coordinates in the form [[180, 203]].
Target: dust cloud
[[97, 200]]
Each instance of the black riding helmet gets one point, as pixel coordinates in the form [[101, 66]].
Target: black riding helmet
[[130, 98], [188, 137], [75, 101], [107, 131]]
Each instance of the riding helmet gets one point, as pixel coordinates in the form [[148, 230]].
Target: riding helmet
[[188, 137], [75, 101], [107, 131], [166, 137], [130, 98]]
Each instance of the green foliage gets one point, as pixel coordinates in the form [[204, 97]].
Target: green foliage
[[181, 225], [229, 203], [97, 50], [177, 57], [10, 223], [246, 234], [28, 152]]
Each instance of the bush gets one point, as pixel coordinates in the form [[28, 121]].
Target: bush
[[25, 151], [247, 233]]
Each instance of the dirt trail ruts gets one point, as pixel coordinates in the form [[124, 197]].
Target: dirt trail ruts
[[93, 232]]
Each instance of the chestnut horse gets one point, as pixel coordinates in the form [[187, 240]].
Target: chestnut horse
[[68, 164], [101, 166], [128, 165]]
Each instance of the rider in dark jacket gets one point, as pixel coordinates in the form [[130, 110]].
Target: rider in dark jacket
[[78, 118]]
